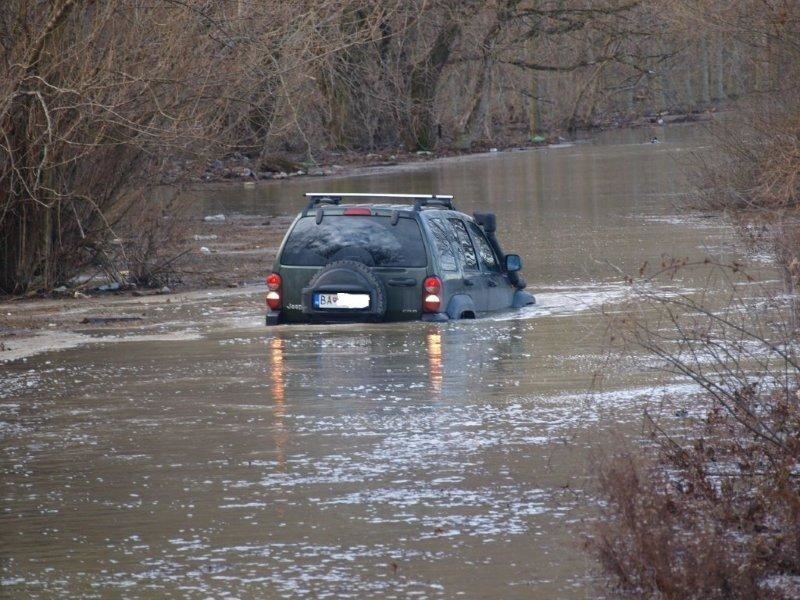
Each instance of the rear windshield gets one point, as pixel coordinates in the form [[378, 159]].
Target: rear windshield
[[371, 239]]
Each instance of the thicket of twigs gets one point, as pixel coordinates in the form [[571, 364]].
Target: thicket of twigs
[[710, 507], [757, 171], [96, 100], [101, 102]]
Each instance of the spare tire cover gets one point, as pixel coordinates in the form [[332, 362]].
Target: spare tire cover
[[351, 276]]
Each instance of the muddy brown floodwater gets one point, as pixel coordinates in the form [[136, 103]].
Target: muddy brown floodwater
[[218, 458]]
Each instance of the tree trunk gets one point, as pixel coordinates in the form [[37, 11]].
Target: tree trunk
[[705, 83], [423, 82], [732, 87], [719, 68], [479, 107], [688, 88]]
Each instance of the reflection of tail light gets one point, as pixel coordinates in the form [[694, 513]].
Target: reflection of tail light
[[432, 295], [274, 291], [276, 373], [434, 343], [278, 388]]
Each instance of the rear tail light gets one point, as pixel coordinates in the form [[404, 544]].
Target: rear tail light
[[432, 295], [274, 291]]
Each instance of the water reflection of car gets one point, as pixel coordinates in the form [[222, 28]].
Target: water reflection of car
[[391, 262]]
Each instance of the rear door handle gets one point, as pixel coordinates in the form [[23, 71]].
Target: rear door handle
[[469, 282], [403, 282], [492, 283]]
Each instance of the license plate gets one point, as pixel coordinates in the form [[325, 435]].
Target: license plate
[[341, 300]]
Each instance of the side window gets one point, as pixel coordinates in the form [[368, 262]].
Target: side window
[[443, 248], [467, 250], [485, 251]]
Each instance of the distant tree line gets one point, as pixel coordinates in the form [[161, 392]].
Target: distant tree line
[[98, 100]]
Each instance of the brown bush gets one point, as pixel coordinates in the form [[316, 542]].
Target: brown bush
[[98, 100], [711, 509], [757, 165], [93, 96], [155, 236]]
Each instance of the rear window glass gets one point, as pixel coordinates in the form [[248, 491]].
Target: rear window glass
[[372, 239]]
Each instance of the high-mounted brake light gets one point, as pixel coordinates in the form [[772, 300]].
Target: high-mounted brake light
[[432, 295], [357, 210], [274, 283]]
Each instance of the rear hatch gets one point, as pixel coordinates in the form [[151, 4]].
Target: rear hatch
[[388, 242]]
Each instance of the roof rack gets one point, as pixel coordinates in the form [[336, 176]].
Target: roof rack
[[442, 201], [317, 199], [420, 200]]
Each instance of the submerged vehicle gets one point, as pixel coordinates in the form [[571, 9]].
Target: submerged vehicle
[[391, 262]]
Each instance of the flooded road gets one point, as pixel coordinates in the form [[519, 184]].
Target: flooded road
[[411, 460]]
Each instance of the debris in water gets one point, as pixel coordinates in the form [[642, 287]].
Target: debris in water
[[115, 319]]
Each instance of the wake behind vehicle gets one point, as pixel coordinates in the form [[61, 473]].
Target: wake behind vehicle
[[391, 262]]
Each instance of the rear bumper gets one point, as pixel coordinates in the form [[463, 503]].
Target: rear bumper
[[435, 317], [273, 317]]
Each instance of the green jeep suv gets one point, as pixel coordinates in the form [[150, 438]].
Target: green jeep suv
[[391, 262]]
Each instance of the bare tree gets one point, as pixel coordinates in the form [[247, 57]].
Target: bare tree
[[99, 102]]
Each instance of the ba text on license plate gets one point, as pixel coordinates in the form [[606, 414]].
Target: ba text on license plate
[[341, 300]]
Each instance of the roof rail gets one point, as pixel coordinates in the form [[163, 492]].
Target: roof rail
[[374, 195], [420, 200]]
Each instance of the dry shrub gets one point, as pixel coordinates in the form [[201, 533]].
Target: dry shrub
[[155, 240], [710, 509], [147, 245], [655, 544], [99, 99], [93, 96], [755, 178], [717, 516], [757, 167]]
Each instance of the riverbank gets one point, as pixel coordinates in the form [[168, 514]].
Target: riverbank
[[227, 256], [328, 163]]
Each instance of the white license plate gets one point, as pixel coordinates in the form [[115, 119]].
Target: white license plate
[[341, 300]]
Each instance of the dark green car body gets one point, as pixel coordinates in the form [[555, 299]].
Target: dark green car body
[[382, 256]]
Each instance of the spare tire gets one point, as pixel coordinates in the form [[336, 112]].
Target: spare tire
[[348, 276]]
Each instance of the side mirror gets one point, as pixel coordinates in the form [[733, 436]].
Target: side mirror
[[513, 263]]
